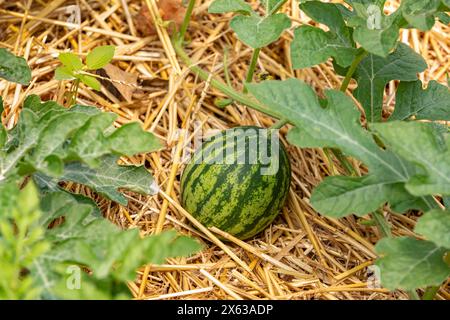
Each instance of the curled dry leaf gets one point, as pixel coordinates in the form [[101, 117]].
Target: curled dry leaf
[[170, 10], [122, 83]]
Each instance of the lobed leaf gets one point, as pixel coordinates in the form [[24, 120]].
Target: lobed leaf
[[337, 125], [48, 136], [407, 263], [418, 143], [374, 72], [432, 103], [258, 32], [107, 178], [225, 6], [270, 5], [312, 45], [142, 141], [90, 81], [420, 13]]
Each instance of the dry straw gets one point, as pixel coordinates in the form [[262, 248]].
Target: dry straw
[[302, 255]]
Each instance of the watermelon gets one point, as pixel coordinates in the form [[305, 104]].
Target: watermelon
[[237, 181]]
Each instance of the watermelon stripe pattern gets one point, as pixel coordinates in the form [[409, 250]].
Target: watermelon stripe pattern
[[232, 195]]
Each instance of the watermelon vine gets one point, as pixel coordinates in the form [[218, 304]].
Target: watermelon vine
[[406, 154]]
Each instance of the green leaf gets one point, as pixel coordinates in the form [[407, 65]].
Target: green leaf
[[407, 263], [312, 45], [432, 103], [435, 226], [337, 126], [373, 73], [401, 200], [48, 135], [53, 136], [142, 141], [347, 194], [64, 73], [366, 3], [270, 4], [417, 142], [374, 31], [108, 177], [420, 13], [71, 61], [89, 143], [14, 69], [100, 57], [224, 6], [258, 32], [379, 42], [90, 81]]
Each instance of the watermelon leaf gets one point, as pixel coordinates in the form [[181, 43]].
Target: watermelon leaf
[[435, 226], [373, 73], [407, 263], [312, 45], [106, 178], [258, 32], [418, 143], [338, 126], [433, 103], [48, 135], [225, 6], [420, 13]]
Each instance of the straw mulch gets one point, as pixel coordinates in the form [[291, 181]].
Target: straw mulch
[[302, 255]]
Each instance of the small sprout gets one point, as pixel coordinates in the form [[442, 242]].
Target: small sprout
[[73, 67]]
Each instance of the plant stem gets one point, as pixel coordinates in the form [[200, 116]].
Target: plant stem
[[74, 92], [240, 97], [352, 69], [344, 161], [225, 66], [382, 224], [279, 124], [252, 67], [277, 7], [187, 19], [430, 293], [219, 85], [413, 295]]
